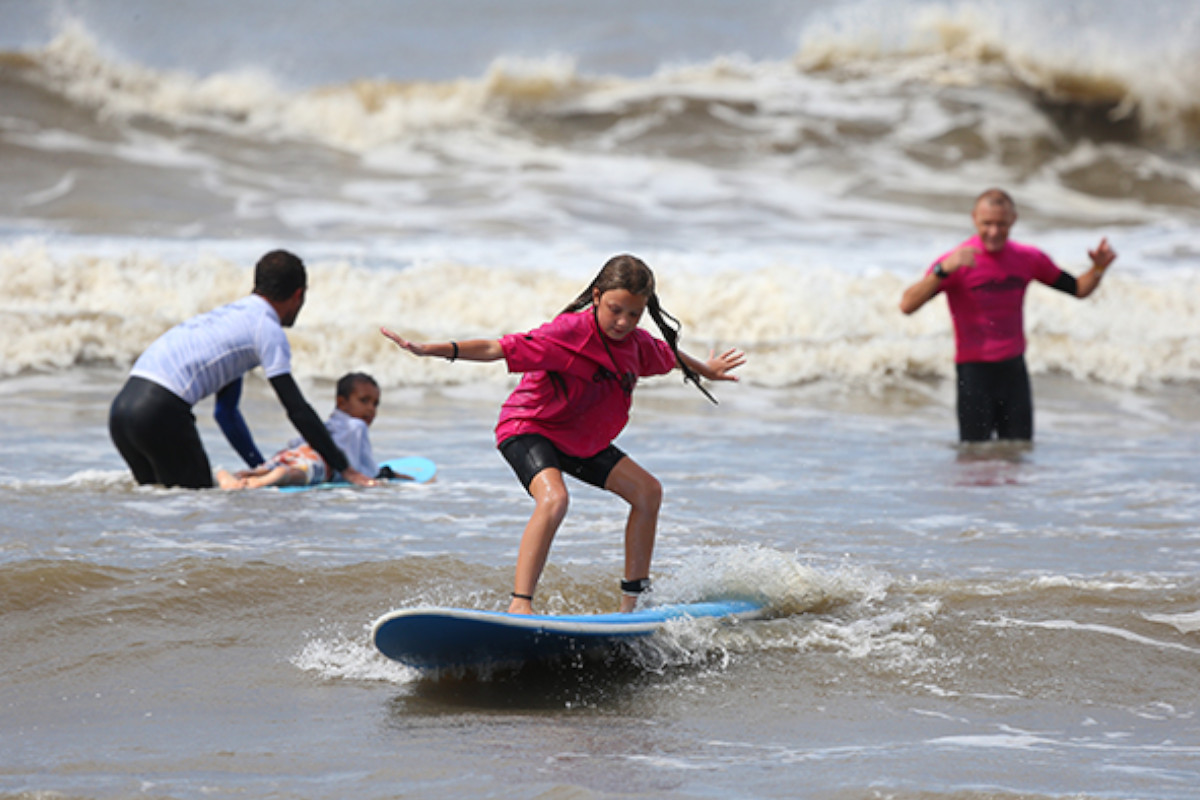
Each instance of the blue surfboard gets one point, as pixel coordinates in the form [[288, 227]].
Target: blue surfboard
[[440, 638], [409, 468]]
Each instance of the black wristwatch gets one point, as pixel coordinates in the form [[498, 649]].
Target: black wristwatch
[[940, 271]]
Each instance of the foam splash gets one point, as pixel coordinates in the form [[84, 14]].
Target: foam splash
[[847, 609], [340, 658], [778, 580]]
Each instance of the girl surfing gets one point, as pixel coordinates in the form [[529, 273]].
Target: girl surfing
[[579, 372]]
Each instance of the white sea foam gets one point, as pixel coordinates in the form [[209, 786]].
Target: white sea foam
[[339, 658], [782, 581], [798, 325], [1106, 630], [1140, 583], [84, 479], [1015, 740], [840, 609], [1184, 623]]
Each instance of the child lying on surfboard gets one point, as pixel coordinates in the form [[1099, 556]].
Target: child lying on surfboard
[[299, 464], [573, 400]]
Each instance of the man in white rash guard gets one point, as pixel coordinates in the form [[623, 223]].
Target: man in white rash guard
[[151, 420]]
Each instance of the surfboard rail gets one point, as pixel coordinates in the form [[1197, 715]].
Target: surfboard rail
[[431, 637], [414, 469]]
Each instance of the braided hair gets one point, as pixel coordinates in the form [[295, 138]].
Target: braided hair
[[631, 274]]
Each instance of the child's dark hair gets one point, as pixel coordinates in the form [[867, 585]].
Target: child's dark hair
[[631, 274], [346, 383]]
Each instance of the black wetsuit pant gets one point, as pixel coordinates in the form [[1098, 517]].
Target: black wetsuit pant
[[530, 453], [994, 398], [155, 432]]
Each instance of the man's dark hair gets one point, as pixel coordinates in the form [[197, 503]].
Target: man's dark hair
[[278, 275]]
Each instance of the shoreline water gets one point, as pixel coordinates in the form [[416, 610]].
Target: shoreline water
[[943, 618]]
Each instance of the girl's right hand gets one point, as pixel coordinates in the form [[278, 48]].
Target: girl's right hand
[[412, 347]]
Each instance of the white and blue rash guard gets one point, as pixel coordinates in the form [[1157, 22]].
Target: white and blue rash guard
[[209, 353]]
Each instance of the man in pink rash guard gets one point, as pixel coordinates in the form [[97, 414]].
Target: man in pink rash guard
[[984, 280]]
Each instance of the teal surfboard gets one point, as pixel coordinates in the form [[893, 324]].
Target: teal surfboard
[[411, 468], [440, 638]]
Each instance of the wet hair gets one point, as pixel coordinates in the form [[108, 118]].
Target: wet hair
[[346, 383], [631, 274], [278, 275], [995, 197]]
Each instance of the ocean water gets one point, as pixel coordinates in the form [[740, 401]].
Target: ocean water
[[992, 622]]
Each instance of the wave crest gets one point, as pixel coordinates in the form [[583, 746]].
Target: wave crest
[[1093, 82], [1092, 87], [357, 116]]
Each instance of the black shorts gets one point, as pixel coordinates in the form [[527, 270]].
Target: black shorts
[[155, 432], [530, 453], [994, 398]]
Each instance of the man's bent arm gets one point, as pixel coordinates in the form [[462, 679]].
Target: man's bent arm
[[1088, 282], [307, 422], [923, 290], [233, 425], [920, 293]]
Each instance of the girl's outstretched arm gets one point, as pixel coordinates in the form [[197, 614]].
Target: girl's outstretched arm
[[716, 368], [470, 350]]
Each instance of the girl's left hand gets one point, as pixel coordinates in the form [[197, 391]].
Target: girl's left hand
[[721, 365]]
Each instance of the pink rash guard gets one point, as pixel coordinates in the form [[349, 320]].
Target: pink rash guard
[[986, 301], [573, 391]]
